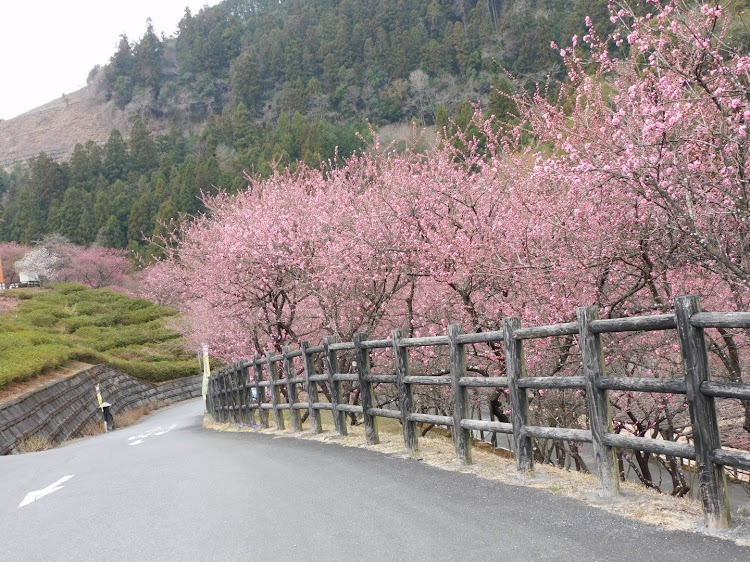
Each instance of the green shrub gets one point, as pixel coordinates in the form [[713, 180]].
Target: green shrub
[[158, 371], [143, 315], [67, 288], [40, 319], [23, 295], [67, 321], [21, 364], [91, 307], [74, 323], [103, 296]]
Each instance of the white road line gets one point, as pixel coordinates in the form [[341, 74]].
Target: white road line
[[31, 497]]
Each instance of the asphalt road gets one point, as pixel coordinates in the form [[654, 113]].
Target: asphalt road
[[166, 489]]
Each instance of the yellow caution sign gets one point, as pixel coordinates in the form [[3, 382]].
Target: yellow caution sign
[[101, 406]]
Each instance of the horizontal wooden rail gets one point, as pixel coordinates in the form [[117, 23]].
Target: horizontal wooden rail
[[344, 346], [726, 389], [556, 433], [721, 320], [323, 406], [550, 383], [494, 426], [376, 344], [345, 377], [484, 382], [553, 330], [425, 341], [394, 414], [377, 379], [427, 380], [430, 418], [666, 386], [480, 337], [736, 459], [634, 324], [349, 408], [656, 446]]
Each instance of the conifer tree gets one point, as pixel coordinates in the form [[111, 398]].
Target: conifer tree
[[115, 165], [143, 157]]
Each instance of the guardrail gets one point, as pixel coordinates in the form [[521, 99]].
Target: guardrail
[[238, 394]]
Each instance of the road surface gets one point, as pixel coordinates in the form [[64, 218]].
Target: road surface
[[167, 489]]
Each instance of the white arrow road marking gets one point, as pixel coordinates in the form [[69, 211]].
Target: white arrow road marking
[[163, 431], [31, 497], [138, 439]]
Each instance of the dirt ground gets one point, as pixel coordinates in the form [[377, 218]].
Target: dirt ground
[[7, 303]]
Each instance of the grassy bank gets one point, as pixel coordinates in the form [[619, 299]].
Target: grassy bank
[[41, 329]]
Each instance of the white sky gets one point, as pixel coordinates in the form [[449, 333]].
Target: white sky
[[48, 47]]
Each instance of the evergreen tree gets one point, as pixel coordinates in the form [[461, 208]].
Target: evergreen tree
[[143, 156], [115, 164], [140, 224], [86, 231], [74, 204], [46, 181], [245, 130], [120, 65], [246, 81], [147, 60], [112, 234]]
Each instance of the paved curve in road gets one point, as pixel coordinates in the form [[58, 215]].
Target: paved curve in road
[[167, 489]]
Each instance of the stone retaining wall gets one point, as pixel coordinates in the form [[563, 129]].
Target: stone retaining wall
[[62, 410]]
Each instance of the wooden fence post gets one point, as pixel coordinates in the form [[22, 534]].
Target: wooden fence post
[[247, 394], [365, 389], [291, 390], [272, 378], [600, 410], [461, 436], [515, 365], [311, 387], [210, 399], [238, 394], [332, 367], [224, 397], [220, 395], [405, 397], [713, 480], [260, 391], [227, 395]]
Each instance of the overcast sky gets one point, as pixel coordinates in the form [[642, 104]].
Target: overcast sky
[[48, 47]]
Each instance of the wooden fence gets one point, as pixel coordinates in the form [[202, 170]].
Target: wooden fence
[[238, 391]]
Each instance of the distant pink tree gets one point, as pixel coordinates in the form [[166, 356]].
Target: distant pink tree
[[96, 267], [10, 253]]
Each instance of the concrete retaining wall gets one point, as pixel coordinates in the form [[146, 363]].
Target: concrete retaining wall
[[62, 410]]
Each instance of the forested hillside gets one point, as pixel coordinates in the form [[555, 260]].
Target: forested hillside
[[259, 86]]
